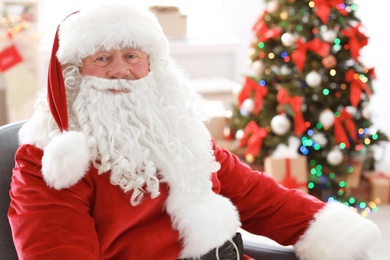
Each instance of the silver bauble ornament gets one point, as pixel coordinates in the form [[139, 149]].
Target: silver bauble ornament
[[335, 157], [326, 118], [251, 51], [248, 105], [313, 79], [351, 110], [329, 36], [280, 124], [288, 39], [239, 134], [284, 70], [320, 139], [367, 112], [273, 6], [258, 67]]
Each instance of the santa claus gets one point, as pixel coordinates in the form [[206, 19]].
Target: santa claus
[[116, 162]]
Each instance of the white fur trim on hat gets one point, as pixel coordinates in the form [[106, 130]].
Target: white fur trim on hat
[[203, 221], [110, 26], [65, 160], [337, 232]]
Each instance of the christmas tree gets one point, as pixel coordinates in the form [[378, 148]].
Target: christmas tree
[[309, 83]]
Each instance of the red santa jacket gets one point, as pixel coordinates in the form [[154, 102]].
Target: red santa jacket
[[95, 220]]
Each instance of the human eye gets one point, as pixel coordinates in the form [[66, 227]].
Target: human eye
[[132, 58], [102, 60]]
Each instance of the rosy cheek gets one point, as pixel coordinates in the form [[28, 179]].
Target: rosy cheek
[[146, 72], [89, 70], [85, 69], [146, 69]]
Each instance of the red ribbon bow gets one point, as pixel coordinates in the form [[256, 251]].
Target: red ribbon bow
[[253, 138], [260, 27], [357, 40], [263, 32], [288, 180], [315, 45], [356, 87], [296, 104], [259, 93], [324, 7], [371, 72], [342, 125], [270, 34]]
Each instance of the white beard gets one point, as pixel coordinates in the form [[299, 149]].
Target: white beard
[[151, 134]]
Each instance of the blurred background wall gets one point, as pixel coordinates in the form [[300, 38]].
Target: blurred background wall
[[217, 28]]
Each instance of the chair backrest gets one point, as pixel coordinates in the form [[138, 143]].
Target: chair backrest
[[8, 146]]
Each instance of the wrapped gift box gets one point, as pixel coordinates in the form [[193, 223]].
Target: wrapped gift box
[[362, 193], [217, 122], [173, 23], [290, 172], [353, 179], [380, 186]]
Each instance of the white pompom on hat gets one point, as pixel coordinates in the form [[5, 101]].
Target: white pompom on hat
[[81, 34]]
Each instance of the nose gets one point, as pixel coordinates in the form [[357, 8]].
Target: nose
[[119, 69]]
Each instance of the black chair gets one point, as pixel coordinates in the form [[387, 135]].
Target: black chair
[[8, 146]]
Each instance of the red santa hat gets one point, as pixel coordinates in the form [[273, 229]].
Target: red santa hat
[[81, 34]]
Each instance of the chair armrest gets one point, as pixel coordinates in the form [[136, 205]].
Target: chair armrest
[[263, 251]]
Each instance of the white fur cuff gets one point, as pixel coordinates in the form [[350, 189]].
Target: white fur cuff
[[204, 221], [65, 160], [337, 232]]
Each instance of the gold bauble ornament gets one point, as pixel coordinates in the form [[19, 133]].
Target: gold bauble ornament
[[250, 158], [284, 15]]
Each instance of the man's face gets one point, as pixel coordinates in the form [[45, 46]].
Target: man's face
[[126, 63]]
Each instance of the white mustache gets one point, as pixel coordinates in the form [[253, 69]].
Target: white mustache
[[112, 90], [111, 85]]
